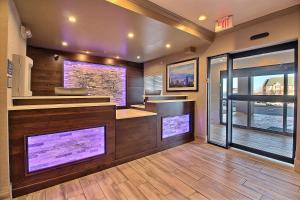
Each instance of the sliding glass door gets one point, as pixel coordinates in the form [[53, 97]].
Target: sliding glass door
[[217, 101], [263, 101], [252, 101]]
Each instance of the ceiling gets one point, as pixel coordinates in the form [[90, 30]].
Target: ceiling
[[100, 28], [242, 10]]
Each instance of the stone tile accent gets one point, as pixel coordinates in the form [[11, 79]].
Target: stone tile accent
[[103, 80], [55, 149], [175, 125]]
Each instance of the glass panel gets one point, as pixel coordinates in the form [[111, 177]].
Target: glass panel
[[224, 88], [234, 89], [267, 59], [291, 84], [261, 123], [217, 105], [268, 85], [290, 118], [267, 115], [240, 85], [224, 111], [239, 113]]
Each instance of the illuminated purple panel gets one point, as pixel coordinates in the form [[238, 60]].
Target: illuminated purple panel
[[103, 80], [175, 125], [55, 149]]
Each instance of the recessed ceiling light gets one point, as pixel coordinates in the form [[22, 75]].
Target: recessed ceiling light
[[202, 18], [117, 57], [130, 35], [87, 52], [168, 45], [138, 57], [64, 44], [72, 19]]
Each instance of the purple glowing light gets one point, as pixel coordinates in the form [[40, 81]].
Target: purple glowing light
[[176, 125], [55, 149], [102, 80]]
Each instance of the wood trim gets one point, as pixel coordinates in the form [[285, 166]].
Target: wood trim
[[152, 10], [4, 194], [74, 56], [19, 102], [297, 165]]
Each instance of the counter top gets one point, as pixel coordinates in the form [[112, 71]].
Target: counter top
[[170, 101], [51, 106], [141, 106], [61, 97], [132, 113]]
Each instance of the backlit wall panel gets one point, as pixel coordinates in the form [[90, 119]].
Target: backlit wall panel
[[103, 80], [175, 125], [49, 150]]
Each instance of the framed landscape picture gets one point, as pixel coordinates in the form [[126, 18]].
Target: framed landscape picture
[[183, 76]]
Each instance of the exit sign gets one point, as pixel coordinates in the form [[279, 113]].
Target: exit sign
[[223, 23]]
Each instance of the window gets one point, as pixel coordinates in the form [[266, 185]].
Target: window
[[268, 85]]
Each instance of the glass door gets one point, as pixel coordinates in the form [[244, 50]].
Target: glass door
[[263, 100], [217, 100]]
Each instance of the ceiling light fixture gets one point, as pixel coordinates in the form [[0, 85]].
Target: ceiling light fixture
[[87, 52], [117, 57], [130, 35], [202, 18], [168, 46], [72, 19], [64, 43], [138, 57]]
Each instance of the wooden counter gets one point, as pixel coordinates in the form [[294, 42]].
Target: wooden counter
[[40, 100], [163, 97], [182, 111], [135, 134], [132, 113], [27, 125], [126, 134]]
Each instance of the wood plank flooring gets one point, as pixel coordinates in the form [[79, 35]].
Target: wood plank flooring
[[188, 172]]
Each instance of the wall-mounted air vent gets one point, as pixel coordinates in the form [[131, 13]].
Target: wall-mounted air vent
[[260, 35]]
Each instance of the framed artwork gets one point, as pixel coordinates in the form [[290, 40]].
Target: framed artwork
[[183, 76]]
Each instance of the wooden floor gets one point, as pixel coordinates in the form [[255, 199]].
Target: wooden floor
[[191, 171]]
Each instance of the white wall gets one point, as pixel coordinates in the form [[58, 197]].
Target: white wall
[[11, 43], [4, 175], [16, 44]]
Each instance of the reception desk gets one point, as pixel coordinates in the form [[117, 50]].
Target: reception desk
[[50, 144], [54, 143], [175, 122]]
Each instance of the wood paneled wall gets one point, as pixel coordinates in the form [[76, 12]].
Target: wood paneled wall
[[47, 72]]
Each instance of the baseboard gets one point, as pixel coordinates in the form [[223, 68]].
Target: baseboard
[[297, 165], [5, 194]]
